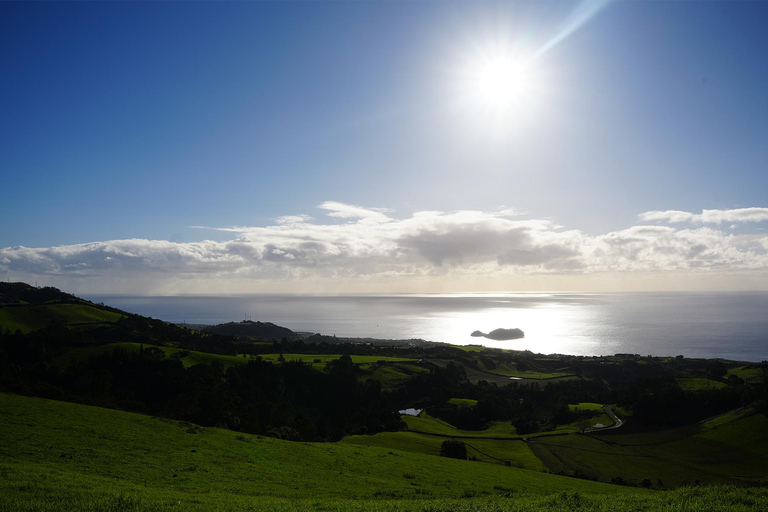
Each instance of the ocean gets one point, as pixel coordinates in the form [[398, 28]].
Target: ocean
[[707, 325]]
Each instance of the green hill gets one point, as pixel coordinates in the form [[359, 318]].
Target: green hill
[[263, 331], [26, 308], [23, 293], [73, 452], [731, 449], [30, 318], [63, 456]]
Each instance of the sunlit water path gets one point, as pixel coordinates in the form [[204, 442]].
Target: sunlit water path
[[728, 325]]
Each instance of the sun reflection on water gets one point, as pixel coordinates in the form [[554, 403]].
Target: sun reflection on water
[[548, 328]]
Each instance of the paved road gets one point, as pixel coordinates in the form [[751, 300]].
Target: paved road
[[617, 422]]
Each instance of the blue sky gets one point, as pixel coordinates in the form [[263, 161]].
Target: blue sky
[[342, 146]]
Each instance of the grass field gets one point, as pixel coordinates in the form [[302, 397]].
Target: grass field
[[586, 406], [694, 499], [504, 375], [506, 371], [698, 383], [327, 358], [462, 402], [498, 444], [392, 375], [728, 449], [56, 453], [62, 456], [193, 357], [749, 373], [427, 424], [30, 318], [491, 451]]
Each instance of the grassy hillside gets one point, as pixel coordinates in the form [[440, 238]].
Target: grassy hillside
[[256, 330], [427, 424], [61, 456], [77, 452], [188, 357], [392, 374], [193, 357], [731, 449], [488, 450], [33, 317], [27, 308]]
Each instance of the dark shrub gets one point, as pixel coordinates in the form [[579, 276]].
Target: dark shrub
[[453, 449]]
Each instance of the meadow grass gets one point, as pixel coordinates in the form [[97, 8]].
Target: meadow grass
[[392, 375], [63, 456], [586, 406], [749, 373], [492, 451], [78, 452], [427, 424], [30, 318], [506, 376], [732, 449], [507, 371], [192, 358], [462, 402], [688, 499], [327, 358], [698, 383]]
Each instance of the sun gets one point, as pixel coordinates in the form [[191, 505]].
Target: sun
[[499, 91], [500, 83]]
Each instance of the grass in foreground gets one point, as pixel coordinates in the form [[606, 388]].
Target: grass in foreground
[[694, 499], [75, 452], [61, 456]]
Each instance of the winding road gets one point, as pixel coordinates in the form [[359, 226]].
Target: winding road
[[617, 422]]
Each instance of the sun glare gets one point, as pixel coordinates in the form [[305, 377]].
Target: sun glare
[[500, 83], [499, 89]]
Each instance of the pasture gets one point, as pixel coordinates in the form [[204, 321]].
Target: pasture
[[29, 318], [56, 452]]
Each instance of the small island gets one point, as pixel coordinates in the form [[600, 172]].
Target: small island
[[501, 334]]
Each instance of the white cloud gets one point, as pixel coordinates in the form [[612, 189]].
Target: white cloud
[[346, 211], [662, 248], [293, 219], [429, 244], [708, 216]]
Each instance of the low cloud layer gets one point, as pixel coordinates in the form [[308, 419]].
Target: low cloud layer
[[353, 242], [708, 216]]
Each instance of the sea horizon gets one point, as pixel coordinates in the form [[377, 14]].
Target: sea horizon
[[728, 325]]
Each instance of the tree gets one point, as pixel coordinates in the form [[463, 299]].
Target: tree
[[453, 449]]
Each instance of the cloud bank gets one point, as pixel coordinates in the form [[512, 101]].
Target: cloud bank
[[708, 216], [364, 244]]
